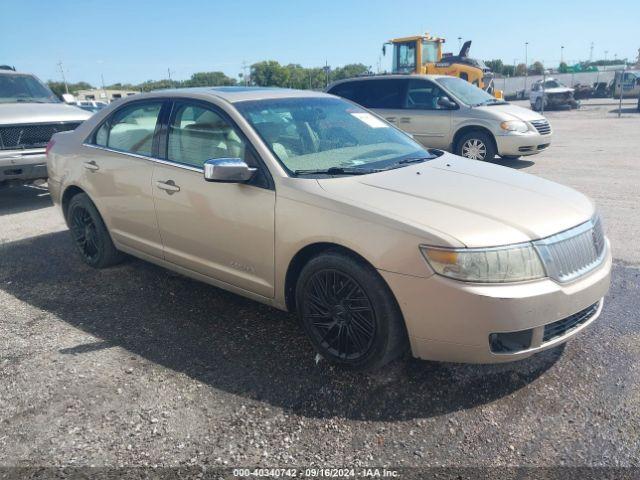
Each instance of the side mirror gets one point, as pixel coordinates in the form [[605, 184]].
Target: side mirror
[[227, 170], [447, 103]]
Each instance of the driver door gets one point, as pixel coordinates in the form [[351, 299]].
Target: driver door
[[222, 230], [428, 122]]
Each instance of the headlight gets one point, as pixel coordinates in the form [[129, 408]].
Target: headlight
[[513, 263], [514, 126]]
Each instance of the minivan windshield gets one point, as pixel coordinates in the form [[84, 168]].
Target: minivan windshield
[[329, 135], [467, 93], [18, 88]]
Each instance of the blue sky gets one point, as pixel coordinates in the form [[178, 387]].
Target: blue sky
[[133, 41]]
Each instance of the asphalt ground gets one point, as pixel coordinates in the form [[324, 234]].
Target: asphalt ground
[[136, 366]]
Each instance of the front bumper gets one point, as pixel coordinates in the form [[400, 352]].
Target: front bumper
[[452, 321], [23, 165], [525, 144]]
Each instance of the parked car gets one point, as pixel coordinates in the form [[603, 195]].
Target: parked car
[[450, 114], [29, 115], [629, 80], [90, 105], [309, 203], [551, 93]]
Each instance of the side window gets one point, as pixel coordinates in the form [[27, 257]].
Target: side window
[[424, 95], [198, 134], [130, 129], [348, 90], [382, 93], [464, 76]]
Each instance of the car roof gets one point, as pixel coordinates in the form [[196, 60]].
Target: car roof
[[388, 76], [238, 94]]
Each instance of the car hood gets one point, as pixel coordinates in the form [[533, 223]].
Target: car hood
[[511, 112], [478, 204], [558, 90], [15, 113]]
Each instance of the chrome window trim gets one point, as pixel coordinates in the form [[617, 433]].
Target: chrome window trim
[[144, 157]]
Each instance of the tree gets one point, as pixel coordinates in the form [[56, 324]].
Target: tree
[[349, 71], [496, 66], [208, 79], [537, 68], [508, 70], [563, 68], [521, 70], [58, 87], [269, 73]]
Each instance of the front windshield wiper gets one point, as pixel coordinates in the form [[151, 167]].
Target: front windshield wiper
[[490, 101], [337, 171]]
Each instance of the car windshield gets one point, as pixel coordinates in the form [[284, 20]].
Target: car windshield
[[465, 92], [329, 135], [24, 88], [553, 84]]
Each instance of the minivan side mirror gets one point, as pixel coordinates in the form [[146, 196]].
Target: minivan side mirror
[[447, 103], [227, 170]]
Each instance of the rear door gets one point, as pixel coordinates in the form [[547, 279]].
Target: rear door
[[118, 167], [422, 117]]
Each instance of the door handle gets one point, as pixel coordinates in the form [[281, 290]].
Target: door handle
[[169, 186], [91, 166], [390, 119], [405, 119]]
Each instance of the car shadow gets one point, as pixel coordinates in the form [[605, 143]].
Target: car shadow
[[237, 345], [626, 110], [23, 198], [512, 163]]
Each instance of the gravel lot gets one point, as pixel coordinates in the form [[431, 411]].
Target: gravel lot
[[135, 365]]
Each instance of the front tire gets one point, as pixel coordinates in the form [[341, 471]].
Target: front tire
[[476, 145], [89, 233], [349, 313]]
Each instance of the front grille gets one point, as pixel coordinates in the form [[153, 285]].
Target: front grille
[[561, 327], [543, 126], [20, 137], [574, 252]]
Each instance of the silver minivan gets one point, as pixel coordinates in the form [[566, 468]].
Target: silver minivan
[[450, 114]]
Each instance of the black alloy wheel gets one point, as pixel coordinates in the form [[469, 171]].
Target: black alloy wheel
[[339, 313]]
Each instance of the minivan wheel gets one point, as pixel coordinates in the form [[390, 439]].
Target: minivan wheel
[[349, 313], [89, 233], [476, 145]]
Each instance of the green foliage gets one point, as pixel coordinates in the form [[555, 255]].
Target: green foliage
[[271, 74], [563, 68], [58, 87], [496, 66], [508, 70], [521, 70], [536, 69]]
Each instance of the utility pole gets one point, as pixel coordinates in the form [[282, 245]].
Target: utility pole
[[561, 54], [326, 72], [169, 73], [591, 53], [104, 91], [605, 55], [64, 80], [526, 65]]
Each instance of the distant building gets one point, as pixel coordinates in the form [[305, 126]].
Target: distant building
[[103, 95]]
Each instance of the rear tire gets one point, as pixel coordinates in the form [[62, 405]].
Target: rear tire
[[90, 234], [349, 313], [476, 145]]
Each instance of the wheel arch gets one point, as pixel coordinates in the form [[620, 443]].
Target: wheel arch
[[303, 256], [69, 192], [472, 128]]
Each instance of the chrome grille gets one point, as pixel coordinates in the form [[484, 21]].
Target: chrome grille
[[20, 137], [543, 126], [572, 253]]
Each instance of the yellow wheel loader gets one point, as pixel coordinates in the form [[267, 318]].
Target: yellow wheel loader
[[422, 54]]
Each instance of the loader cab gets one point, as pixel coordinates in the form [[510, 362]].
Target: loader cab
[[412, 54]]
